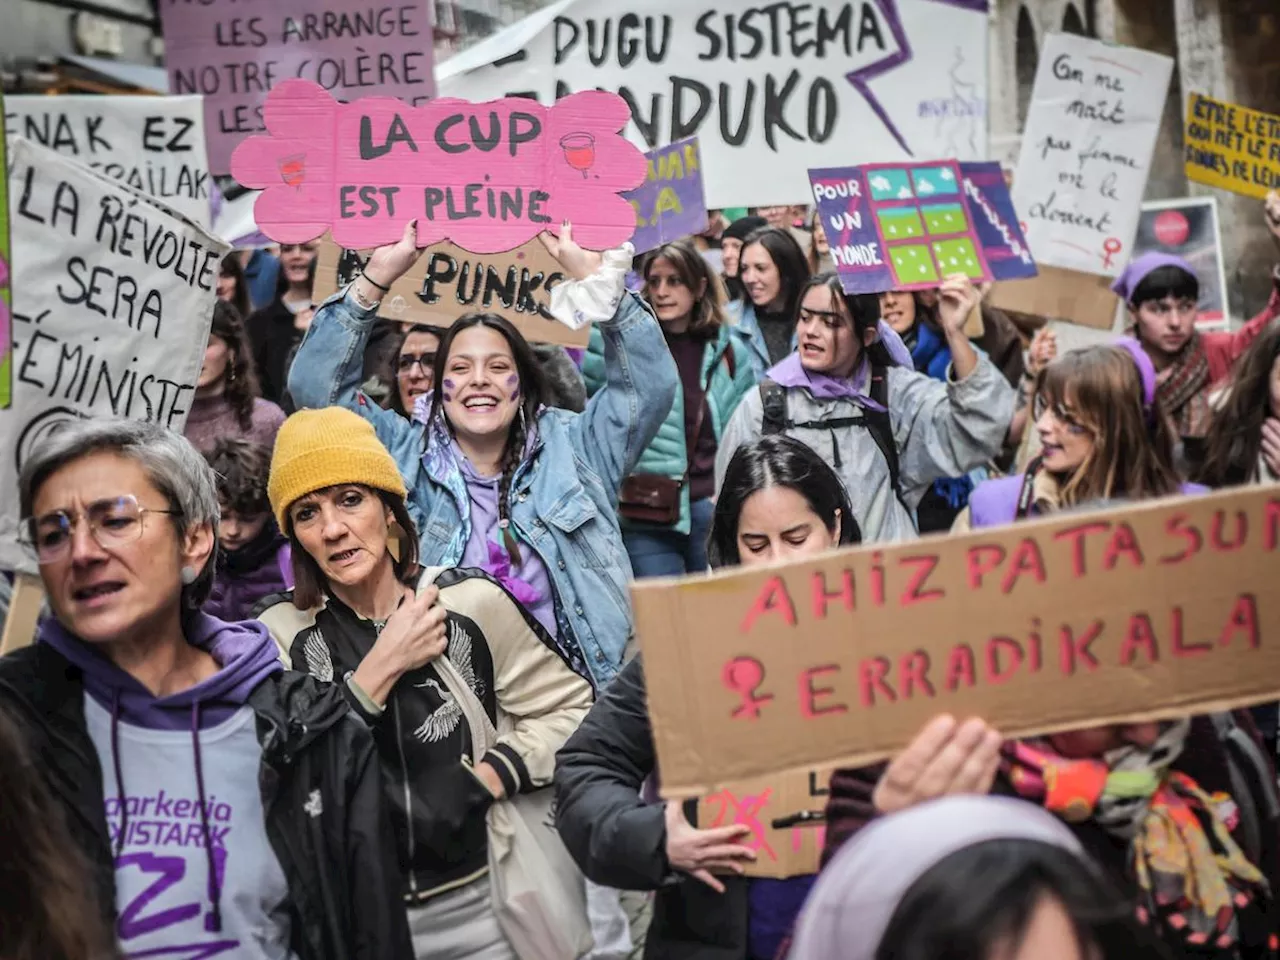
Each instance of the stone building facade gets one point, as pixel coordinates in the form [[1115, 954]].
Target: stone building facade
[[1226, 49]]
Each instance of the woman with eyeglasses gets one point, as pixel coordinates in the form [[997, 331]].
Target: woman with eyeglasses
[[225, 806], [412, 368]]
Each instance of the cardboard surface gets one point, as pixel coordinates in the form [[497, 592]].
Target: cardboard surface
[[1232, 147], [486, 176], [1086, 151], [781, 851], [1057, 294], [907, 226], [1148, 611], [672, 202], [769, 90], [154, 144], [448, 282], [24, 613], [1189, 229], [233, 53], [113, 296]]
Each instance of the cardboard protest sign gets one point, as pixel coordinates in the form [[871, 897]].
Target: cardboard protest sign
[[448, 282], [486, 176], [6, 321], [770, 91], [234, 54], [1232, 147], [1150, 611], [1189, 228], [1086, 151], [907, 226], [154, 144], [784, 816], [672, 202], [113, 296]]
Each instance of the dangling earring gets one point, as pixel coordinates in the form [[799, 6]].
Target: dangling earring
[[189, 576], [524, 425]]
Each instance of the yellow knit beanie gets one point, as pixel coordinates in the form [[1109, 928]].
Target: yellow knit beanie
[[316, 449]]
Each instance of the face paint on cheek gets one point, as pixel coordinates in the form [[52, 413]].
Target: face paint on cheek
[[448, 390], [513, 382]]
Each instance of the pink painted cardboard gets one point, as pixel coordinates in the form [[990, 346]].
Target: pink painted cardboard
[[488, 177], [233, 53]]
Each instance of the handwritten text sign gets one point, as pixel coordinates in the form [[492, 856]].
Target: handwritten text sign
[[234, 53], [154, 144], [6, 322], [769, 90], [1086, 151], [1150, 611], [906, 226], [791, 850], [1189, 228], [1232, 147], [447, 282], [487, 176], [671, 203], [112, 299]]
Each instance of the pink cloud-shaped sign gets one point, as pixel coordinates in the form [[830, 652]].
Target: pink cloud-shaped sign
[[486, 176]]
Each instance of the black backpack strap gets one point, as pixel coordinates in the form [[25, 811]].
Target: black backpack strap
[[773, 402], [1253, 785], [881, 427], [1027, 492]]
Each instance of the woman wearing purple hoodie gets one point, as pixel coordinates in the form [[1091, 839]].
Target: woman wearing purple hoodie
[[227, 807]]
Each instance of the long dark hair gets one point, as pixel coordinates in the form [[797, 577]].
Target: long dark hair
[[792, 264], [392, 372], [777, 461], [1235, 437], [46, 908], [532, 397], [231, 268], [863, 308], [241, 378], [947, 914]]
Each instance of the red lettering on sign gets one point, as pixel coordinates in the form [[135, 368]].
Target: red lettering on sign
[[1272, 521], [745, 676], [1003, 648], [960, 668], [913, 671], [745, 812], [1179, 648], [872, 672], [809, 694], [1026, 560], [845, 595], [915, 592], [1035, 659], [773, 598], [1074, 650], [877, 578], [1123, 543], [982, 560], [1077, 536], [1244, 617], [1141, 636], [1178, 526], [1217, 532]]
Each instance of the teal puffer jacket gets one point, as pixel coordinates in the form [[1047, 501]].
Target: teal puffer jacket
[[728, 360]]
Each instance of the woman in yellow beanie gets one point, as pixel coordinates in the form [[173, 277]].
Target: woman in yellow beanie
[[424, 657]]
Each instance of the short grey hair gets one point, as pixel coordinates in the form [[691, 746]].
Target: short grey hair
[[172, 464]]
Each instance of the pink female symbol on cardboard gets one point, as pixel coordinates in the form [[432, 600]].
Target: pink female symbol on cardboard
[[486, 176]]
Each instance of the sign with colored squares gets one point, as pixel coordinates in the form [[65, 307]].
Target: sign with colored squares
[[908, 226]]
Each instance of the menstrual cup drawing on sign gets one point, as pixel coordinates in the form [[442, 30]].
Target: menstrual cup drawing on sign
[[293, 170], [579, 151]]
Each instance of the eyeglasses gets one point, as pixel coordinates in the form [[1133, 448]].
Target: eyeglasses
[[1040, 406], [114, 523], [424, 361]]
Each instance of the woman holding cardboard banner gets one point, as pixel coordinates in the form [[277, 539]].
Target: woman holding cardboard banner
[[779, 500], [495, 480]]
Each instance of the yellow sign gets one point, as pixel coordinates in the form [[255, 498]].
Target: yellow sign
[[1232, 147]]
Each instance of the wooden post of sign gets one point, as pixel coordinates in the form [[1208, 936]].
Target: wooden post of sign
[[24, 611]]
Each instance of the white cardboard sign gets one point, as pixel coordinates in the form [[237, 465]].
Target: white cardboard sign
[[154, 144], [112, 299], [769, 90], [1086, 151]]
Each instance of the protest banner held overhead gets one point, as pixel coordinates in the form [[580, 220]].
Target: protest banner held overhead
[[448, 282], [1189, 228], [486, 176], [907, 226], [1156, 610], [154, 144], [234, 54], [672, 201], [112, 299], [1232, 147], [769, 90], [1086, 151]]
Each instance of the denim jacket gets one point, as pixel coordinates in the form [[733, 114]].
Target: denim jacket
[[742, 314], [563, 496]]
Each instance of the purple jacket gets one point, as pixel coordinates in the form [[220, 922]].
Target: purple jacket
[[235, 594], [995, 502]]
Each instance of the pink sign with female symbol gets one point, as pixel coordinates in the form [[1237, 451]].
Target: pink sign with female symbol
[[488, 177]]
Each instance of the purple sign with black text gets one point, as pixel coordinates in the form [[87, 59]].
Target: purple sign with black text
[[671, 203], [906, 226]]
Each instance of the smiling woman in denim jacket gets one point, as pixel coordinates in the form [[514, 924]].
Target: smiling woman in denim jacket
[[495, 479]]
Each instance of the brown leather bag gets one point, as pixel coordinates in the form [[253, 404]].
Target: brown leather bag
[[650, 498]]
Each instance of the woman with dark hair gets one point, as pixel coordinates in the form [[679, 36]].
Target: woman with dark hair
[[232, 286], [889, 432], [225, 805], [407, 646], [495, 479], [731, 253], [227, 402], [276, 330], [820, 260], [773, 270], [1244, 436], [47, 911], [665, 506], [412, 367], [904, 889], [779, 501]]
